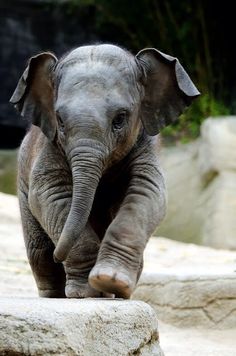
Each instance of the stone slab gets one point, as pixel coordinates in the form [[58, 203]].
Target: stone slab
[[189, 285], [41, 326]]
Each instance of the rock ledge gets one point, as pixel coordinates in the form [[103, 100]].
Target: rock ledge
[[35, 326], [189, 285]]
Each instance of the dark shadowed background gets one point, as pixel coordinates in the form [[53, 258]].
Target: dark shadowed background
[[200, 33]]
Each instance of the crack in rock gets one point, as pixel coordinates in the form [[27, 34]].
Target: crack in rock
[[138, 351]]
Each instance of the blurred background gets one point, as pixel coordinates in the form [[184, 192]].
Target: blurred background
[[200, 33]]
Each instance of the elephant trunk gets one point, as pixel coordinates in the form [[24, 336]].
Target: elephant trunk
[[87, 166]]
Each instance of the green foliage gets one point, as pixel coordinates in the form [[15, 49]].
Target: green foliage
[[188, 125], [8, 172]]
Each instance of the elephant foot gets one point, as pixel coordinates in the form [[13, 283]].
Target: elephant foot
[[74, 289], [107, 278]]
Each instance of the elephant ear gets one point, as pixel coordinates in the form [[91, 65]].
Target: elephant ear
[[34, 97], [168, 89]]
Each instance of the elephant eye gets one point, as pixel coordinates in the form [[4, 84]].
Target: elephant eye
[[119, 120]]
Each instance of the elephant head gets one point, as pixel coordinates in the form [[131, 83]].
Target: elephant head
[[92, 105]]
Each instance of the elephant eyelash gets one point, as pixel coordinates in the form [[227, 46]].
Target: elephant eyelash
[[119, 120]]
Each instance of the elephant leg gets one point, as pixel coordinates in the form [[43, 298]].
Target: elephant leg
[[118, 268], [140, 269], [119, 263], [49, 276], [79, 263]]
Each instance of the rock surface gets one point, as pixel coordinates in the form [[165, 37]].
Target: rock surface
[[184, 213], [15, 274], [217, 151], [217, 168], [77, 327], [201, 182], [197, 342], [189, 285]]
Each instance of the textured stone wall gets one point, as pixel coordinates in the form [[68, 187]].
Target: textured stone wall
[[201, 182]]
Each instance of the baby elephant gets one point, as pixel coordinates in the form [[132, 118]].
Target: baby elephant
[[90, 187]]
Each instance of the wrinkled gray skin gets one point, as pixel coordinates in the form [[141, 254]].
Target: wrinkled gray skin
[[89, 179]]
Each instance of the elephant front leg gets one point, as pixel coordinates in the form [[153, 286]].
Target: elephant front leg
[[49, 276], [120, 258], [82, 257], [78, 265]]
